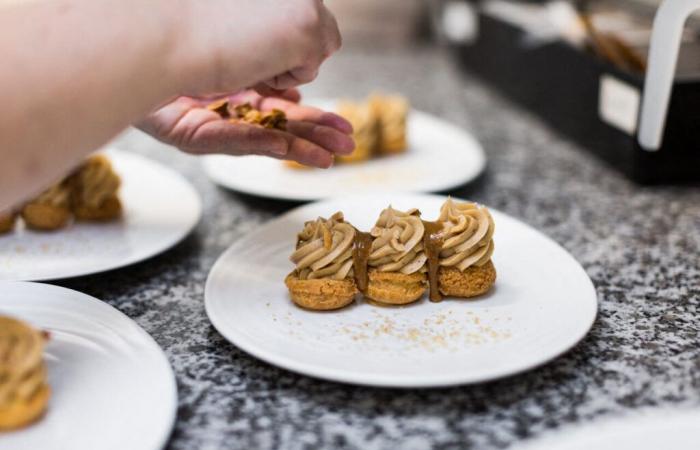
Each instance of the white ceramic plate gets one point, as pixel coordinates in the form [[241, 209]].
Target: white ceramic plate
[[652, 430], [440, 156], [112, 387], [542, 305], [160, 209]]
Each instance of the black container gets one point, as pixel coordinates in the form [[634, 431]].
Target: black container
[[562, 84]]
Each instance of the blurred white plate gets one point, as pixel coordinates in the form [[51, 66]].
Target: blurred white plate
[[651, 430], [111, 385], [542, 305], [160, 209], [441, 156]]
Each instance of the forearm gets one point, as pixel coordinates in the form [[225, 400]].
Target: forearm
[[73, 74]]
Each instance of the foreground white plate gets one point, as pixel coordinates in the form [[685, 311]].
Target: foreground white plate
[[160, 209], [440, 156], [542, 305], [112, 387], [652, 430]]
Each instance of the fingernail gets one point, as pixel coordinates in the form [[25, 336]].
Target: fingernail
[[339, 123], [279, 147], [347, 144]]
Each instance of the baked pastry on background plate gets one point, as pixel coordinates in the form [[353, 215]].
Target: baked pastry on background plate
[[391, 112], [365, 130], [7, 222], [466, 269], [397, 271], [94, 190], [323, 278], [24, 392], [51, 210]]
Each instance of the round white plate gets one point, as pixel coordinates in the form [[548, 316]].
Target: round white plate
[[111, 385], [542, 305], [160, 209], [440, 156], [652, 430]]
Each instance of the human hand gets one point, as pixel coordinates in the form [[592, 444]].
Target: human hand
[[312, 137], [227, 45]]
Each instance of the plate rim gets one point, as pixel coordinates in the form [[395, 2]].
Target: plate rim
[[148, 340], [436, 381], [111, 150], [480, 167]]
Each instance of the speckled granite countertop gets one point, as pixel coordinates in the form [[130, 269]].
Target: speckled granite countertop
[[641, 247]]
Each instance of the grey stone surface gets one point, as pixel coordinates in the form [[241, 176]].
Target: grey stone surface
[[641, 247]]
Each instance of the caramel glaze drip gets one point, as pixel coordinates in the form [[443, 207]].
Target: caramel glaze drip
[[360, 255], [432, 243]]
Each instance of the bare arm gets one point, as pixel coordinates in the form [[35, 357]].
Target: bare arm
[[74, 73]]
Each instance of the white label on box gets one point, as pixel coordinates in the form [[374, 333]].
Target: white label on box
[[618, 104]]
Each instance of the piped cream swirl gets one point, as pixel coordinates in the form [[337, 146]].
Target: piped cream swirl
[[22, 370], [468, 235], [95, 181], [57, 196], [398, 242], [324, 249]]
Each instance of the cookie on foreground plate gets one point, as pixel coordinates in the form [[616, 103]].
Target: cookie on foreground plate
[[397, 272], [323, 278], [24, 392]]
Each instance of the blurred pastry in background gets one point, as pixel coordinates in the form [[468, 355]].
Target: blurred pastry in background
[[366, 130], [323, 278], [94, 190], [466, 269], [397, 270], [7, 222], [379, 125], [391, 112], [89, 193], [50, 210], [24, 390]]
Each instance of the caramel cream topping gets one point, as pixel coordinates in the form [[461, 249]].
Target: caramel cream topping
[[57, 195], [96, 181], [22, 370], [398, 242], [325, 249], [392, 111], [467, 235]]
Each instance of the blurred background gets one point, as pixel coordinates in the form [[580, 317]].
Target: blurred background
[[577, 64]]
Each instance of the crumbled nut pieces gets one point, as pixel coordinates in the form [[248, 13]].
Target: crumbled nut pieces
[[275, 119], [220, 107]]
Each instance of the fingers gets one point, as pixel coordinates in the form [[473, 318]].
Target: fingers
[[327, 42], [306, 114], [333, 40], [326, 137], [288, 102], [263, 90], [291, 95], [221, 136], [293, 78], [243, 139], [305, 152]]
